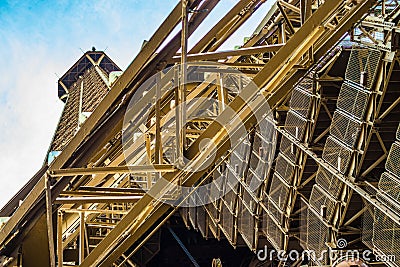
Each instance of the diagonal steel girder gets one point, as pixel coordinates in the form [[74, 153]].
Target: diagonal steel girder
[[147, 211], [125, 82]]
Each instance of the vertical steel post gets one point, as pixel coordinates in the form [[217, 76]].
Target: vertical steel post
[[59, 239], [49, 217], [181, 105], [82, 237]]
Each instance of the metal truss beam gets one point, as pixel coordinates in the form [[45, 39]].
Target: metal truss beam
[[273, 72]]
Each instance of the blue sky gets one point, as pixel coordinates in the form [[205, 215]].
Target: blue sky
[[42, 39]]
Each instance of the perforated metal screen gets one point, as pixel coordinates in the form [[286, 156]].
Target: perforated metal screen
[[344, 128], [328, 182], [336, 154], [353, 100], [362, 66]]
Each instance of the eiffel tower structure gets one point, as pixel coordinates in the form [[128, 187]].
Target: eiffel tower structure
[[282, 152]]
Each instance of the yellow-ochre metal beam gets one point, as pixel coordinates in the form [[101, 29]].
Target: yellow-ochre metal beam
[[113, 170], [148, 210]]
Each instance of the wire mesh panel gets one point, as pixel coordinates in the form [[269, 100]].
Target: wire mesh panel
[[362, 66], [230, 197], [393, 160], [367, 226], [374, 58], [285, 168], [232, 178], [290, 150], [295, 125], [319, 198], [279, 192], [249, 199], [275, 211], [306, 84], [390, 185], [202, 223], [213, 215], [317, 238], [386, 237], [301, 102], [247, 226], [328, 182], [274, 234], [353, 100], [336, 154], [356, 64], [228, 224], [344, 128]]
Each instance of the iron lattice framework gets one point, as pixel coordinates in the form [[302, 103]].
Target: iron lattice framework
[[326, 172]]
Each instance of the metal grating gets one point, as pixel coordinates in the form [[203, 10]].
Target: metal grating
[[320, 198], [328, 182], [227, 224], [336, 154], [367, 226], [212, 211], [317, 238], [390, 185], [356, 64], [285, 168], [213, 218], [288, 149], [273, 233], [202, 223], [247, 226], [279, 192], [295, 125], [353, 100], [301, 102], [345, 129], [306, 84], [362, 66], [386, 237], [249, 199], [232, 177], [230, 198], [393, 160], [275, 211]]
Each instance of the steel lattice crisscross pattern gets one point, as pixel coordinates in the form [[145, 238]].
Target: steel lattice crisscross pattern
[[279, 192], [295, 125], [336, 154], [362, 66], [317, 238], [353, 100], [393, 160], [301, 102], [274, 234], [390, 185], [247, 226], [320, 198], [290, 150], [227, 223], [386, 236], [328, 182], [285, 168], [345, 129]]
